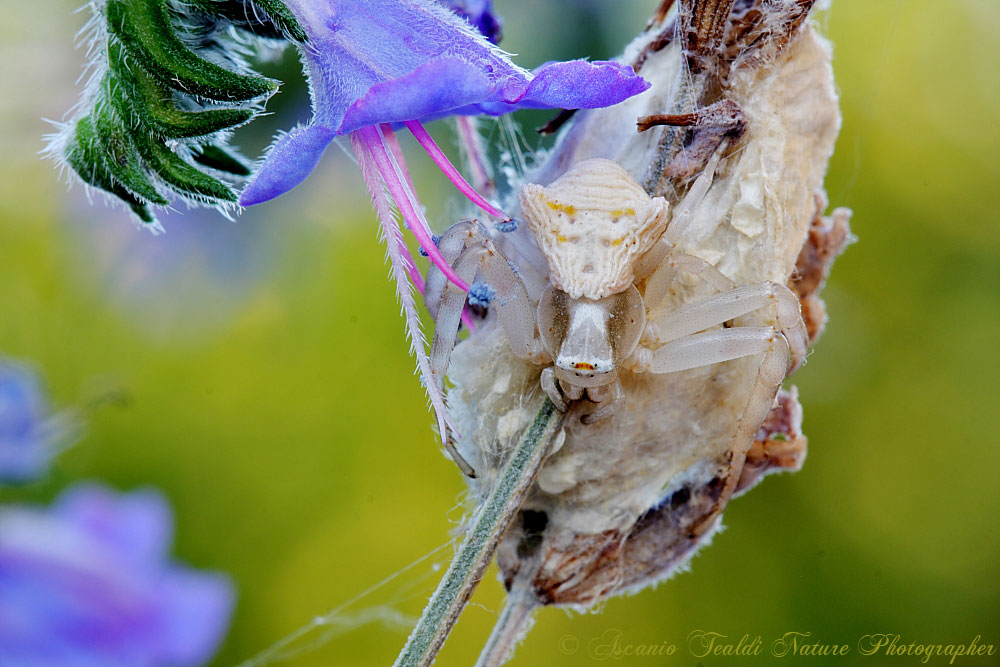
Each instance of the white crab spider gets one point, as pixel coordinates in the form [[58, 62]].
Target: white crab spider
[[603, 238]]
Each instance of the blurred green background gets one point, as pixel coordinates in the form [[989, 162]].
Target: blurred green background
[[273, 399]]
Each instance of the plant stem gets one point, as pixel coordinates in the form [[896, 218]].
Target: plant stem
[[488, 525], [514, 622]]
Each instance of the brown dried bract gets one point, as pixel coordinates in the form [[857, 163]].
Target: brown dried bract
[[663, 39], [828, 236], [581, 570], [757, 23], [711, 125], [660, 13], [701, 27], [780, 445]]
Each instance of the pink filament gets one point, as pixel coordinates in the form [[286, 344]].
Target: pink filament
[[401, 194], [393, 143], [477, 164], [397, 152], [445, 165], [411, 270]]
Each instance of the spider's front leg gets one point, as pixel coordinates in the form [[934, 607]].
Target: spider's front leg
[[609, 397], [550, 385], [494, 281]]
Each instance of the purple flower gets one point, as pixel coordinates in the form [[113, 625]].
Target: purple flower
[[87, 583], [393, 61], [29, 435]]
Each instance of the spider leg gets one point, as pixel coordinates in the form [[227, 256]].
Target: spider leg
[[651, 260], [659, 282], [711, 347], [475, 255], [446, 328], [707, 348], [451, 244], [611, 398], [770, 375], [718, 308], [550, 385], [682, 343], [721, 345], [449, 315], [684, 211]]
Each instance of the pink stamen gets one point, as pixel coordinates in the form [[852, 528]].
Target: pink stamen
[[472, 144], [400, 193], [397, 152], [445, 165], [400, 259], [411, 270], [403, 172], [467, 319]]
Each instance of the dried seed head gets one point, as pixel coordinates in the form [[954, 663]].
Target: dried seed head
[[627, 501], [593, 224]]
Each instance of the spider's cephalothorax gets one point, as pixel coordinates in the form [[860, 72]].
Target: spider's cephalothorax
[[593, 225], [611, 260]]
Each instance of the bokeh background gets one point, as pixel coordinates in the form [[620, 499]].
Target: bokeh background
[[271, 396]]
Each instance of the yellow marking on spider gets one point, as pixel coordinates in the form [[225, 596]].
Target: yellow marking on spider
[[618, 241], [565, 208], [617, 213], [561, 239], [583, 366]]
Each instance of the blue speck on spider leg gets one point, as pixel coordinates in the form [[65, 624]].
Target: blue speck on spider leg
[[507, 226], [437, 241], [481, 294]]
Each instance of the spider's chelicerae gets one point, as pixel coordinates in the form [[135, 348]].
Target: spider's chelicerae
[[612, 258]]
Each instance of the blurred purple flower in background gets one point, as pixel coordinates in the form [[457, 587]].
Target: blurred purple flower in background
[[30, 436], [88, 583], [480, 14]]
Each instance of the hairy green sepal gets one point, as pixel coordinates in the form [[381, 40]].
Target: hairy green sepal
[[159, 121]]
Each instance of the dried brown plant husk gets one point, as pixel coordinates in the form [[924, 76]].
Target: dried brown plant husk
[[624, 503]]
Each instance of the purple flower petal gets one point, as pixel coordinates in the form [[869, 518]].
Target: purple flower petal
[[137, 526], [389, 61], [576, 84], [89, 583], [288, 163], [197, 607], [441, 83]]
